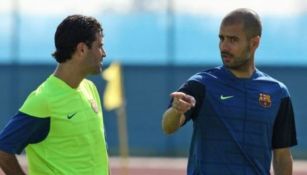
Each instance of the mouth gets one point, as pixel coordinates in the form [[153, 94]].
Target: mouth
[[226, 57]]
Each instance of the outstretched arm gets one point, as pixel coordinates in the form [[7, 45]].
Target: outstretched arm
[[282, 161], [174, 117], [9, 164]]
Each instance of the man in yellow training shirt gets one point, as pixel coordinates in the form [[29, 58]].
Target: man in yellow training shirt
[[60, 124]]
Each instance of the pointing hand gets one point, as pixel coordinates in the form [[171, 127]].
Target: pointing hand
[[182, 102]]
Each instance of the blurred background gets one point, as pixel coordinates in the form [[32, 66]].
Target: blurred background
[[160, 43]]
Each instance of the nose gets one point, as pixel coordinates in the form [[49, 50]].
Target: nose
[[224, 46], [103, 53]]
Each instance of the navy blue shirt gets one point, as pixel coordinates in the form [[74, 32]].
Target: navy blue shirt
[[21, 130], [237, 122]]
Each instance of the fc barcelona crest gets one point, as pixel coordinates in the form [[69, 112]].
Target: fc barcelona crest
[[265, 100]]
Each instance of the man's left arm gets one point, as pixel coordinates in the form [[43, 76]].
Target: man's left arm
[[284, 137], [282, 161]]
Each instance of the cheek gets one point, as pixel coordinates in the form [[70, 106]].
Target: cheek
[[95, 54], [239, 49], [98, 53]]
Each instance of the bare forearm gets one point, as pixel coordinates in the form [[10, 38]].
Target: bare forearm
[[282, 168], [174, 117], [282, 162], [9, 164], [171, 121]]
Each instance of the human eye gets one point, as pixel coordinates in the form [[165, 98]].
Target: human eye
[[233, 39], [100, 46], [221, 37]]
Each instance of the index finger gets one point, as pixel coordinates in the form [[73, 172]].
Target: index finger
[[178, 95]]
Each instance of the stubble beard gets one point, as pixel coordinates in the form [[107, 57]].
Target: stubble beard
[[240, 63]]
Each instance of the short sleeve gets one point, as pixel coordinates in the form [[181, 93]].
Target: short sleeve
[[284, 132], [22, 130], [35, 105]]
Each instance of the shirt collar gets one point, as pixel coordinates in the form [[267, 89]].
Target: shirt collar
[[255, 74]]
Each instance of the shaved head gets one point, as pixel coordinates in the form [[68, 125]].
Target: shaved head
[[249, 18]]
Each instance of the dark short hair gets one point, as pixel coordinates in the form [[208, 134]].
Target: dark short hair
[[249, 18], [71, 31]]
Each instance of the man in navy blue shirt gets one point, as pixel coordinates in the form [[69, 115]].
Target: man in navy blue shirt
[[241, 116]]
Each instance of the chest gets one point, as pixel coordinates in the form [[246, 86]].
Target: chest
[[252, 101], [74, 114]]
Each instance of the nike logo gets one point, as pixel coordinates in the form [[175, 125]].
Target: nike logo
[[226, 97], [71, 116]]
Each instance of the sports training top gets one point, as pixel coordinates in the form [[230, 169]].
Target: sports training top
[[67, 133], [237, 122]]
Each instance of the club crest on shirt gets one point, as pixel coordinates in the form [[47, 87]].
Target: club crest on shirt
[[265, 100], [94, 105]]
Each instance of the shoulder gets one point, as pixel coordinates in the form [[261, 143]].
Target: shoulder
[[36, 103], [41, 92], [206, 75], [44, 90], [87, 81], [265, 78], [89, 85]]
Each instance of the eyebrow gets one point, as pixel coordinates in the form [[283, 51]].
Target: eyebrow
[[228, 36]]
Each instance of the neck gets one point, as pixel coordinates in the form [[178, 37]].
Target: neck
[[243, 73], [245, 70], [69, 74]]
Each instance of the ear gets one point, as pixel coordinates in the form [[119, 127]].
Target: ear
[[255, 42], [81, 48]]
